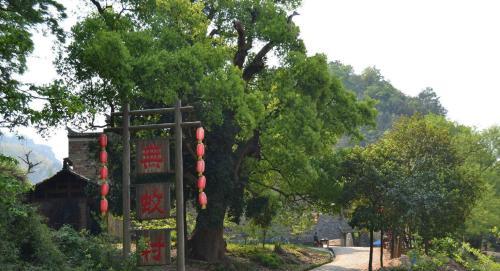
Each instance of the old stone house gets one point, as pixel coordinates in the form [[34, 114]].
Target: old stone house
[[70, 196], [63, 200]]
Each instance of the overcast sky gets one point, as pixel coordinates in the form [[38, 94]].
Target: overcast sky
[[452, 46]]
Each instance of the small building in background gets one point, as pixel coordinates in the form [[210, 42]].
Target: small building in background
[[67, 198]]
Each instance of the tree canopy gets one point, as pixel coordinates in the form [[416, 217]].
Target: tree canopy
[[268, 125], [17, 21], [420, 178]]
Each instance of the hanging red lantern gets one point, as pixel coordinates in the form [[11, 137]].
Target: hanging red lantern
[[103, 140], [200, 134], [202, 199], [104, 173], [104, 205], [200, 150], [200, 166], [103, 156], [202, 182], [104, 189]]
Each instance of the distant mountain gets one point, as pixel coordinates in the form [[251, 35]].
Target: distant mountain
[[391, 102], [16, 148]]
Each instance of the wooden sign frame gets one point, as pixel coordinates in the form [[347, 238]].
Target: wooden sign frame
[[125, 130], [158, 250], [152, 156], [157, 198]]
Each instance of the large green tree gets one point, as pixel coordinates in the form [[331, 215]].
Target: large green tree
[[18, 19], [272, 125], [366, 181], [423, 177], [486, 157]]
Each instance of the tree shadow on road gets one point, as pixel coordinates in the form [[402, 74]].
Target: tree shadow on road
[[331, 268]]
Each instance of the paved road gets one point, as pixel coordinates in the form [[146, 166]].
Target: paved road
[[350, 259]]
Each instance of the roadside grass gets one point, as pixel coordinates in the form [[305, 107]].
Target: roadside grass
[[241, 257], [275, 257]]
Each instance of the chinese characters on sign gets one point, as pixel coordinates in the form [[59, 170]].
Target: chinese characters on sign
[[153, 201], [153, 156], [157, 247]]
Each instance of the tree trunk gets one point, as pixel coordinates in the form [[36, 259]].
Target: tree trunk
[[393, 244], [426, 246], [381, 248], [207, 244], [371, 251], [207, 240], [264, 232]]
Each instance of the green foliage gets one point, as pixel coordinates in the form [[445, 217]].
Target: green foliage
[[272, 261], [486, 214], [446, 253], [86, 252], [266, 126], [438, 188], [261, 210], [285, 257], [26, 241], [391, 102], [419, 178], [17, 19]]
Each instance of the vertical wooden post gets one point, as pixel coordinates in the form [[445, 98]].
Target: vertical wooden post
[[126, 180], [179, 188], [381, 248]]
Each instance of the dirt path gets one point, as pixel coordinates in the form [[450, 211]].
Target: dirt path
[[351, 259]]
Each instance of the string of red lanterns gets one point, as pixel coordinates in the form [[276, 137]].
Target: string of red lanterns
[[103, 158], [200, 167]]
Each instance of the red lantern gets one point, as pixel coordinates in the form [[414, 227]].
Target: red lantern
[[202, 182], [200, 150], [104, 206], [202, 199], [200, 166], [103, 157], [104, 173], [104, 189], [200, 134], [103, 140]]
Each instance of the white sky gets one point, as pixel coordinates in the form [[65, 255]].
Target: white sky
[[452, 46]]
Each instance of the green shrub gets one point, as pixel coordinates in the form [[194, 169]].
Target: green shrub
[[267, 259], [26, 242], [446, 252], [87, 252]]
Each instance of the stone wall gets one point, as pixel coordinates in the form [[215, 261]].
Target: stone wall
[[328, 227], [82, 152]]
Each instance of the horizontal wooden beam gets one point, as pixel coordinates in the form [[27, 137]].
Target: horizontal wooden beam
[[154, 126], [153, 111]]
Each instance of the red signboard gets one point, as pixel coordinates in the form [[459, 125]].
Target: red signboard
[[153, 156], [157, 247], [153, 201]]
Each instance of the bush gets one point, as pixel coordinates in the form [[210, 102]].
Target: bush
[[87, 252], [447, 252], [26, 242], [29, 244], [267, 259]]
